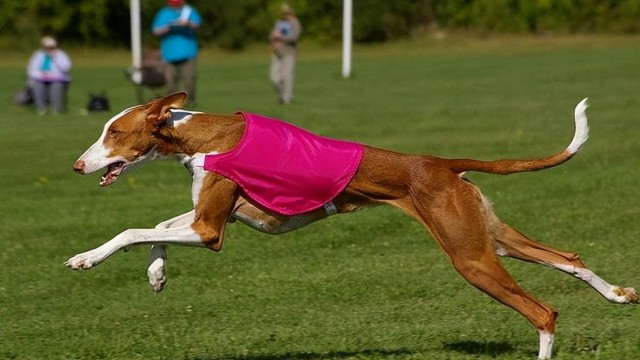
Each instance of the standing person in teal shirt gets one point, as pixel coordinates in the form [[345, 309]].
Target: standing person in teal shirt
[[176, 25]]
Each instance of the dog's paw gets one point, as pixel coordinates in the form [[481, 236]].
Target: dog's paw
[[156, 275], [626, 295], [85, 260]]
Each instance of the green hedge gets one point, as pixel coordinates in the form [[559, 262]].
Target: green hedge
[[233, 24]]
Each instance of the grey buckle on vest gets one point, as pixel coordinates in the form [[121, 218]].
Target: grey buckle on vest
[[330, 208]]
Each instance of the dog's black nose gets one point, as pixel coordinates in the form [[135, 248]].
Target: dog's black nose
[[79, 167]]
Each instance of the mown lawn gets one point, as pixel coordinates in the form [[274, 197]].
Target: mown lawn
[[370, 285]]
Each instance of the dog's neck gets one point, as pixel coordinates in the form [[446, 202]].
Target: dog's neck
[[187, 134]]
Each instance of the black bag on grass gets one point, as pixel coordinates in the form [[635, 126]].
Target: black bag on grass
[[24, 97], [98, 102]]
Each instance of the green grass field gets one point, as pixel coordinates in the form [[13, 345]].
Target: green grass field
[[370, 285]]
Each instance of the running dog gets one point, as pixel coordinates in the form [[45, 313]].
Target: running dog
[[276, 178]]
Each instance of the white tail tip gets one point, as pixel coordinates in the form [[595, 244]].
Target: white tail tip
[[582, 128]]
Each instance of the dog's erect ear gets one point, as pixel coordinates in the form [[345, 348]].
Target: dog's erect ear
[[176, 100], [158, 110]]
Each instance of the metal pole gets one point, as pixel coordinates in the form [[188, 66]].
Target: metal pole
[[347, 15], [136, 43]]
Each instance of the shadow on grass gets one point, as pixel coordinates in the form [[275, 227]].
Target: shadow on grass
[[310, 355], [483, 348], [467, 347]]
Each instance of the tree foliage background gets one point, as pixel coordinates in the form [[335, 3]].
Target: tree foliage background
[[234, 24]]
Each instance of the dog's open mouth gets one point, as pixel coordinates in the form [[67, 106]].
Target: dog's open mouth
[[113, 171]]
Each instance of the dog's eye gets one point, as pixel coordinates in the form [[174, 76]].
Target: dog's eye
[[113, 133]]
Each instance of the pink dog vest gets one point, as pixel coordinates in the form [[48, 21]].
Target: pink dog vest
[[286, 169]]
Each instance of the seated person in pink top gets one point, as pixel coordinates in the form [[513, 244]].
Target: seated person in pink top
[[48, 73]]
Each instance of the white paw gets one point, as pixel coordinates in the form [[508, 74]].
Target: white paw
[[626, 295], [86, 260], [157, 278]]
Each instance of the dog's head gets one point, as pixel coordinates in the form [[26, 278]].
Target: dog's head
[[129, 138]]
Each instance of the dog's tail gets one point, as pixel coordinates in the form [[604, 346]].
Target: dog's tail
[[510, 166]]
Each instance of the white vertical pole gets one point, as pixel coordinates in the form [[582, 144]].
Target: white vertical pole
[[136, 43], [347, 15]]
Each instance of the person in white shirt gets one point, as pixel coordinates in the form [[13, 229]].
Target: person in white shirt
[[284, 40], [48, 73]]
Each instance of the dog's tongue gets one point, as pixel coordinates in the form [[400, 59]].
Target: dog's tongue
[[113, 171], [107, 179]]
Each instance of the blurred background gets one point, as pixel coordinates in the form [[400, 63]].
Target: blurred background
[[236, 24]]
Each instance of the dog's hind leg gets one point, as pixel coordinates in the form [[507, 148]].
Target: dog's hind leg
[[270, 223], [156, 265], [513, 243], [459, 221], [488, 275]]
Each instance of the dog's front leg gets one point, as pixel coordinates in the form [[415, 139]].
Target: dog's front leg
[[181, 235], [156, 269]]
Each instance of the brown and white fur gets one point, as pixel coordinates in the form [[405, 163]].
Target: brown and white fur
[[428, 188]]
